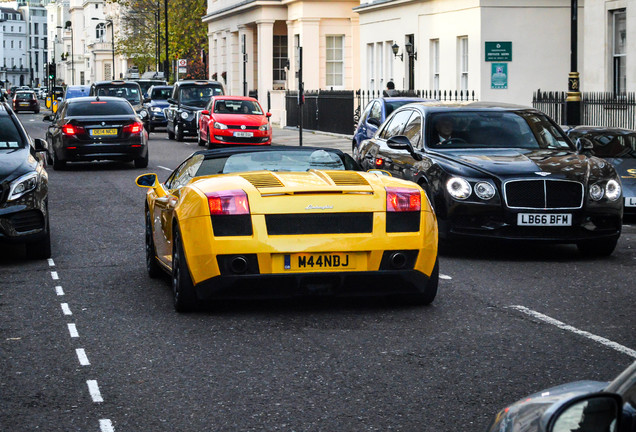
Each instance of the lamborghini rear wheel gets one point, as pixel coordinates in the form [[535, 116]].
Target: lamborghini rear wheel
[[429, 291], [154, 271], [182, 286]]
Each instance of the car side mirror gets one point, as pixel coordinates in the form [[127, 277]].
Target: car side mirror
[[268, 115], [205, 112], [584, 144], [147, 180], [400, 142], [172, 101], [40, 145], [595, 412], [374, 121]]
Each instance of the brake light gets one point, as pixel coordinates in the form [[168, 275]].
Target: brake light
[[134, 128], [69, 129], [379, 162], [230, 202], [403, 200]]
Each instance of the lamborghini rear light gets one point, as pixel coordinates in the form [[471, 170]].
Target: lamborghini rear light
[[134, 128], [69, 129], [403, 200], [229, 202]]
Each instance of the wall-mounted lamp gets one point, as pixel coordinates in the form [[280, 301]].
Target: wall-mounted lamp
[[395, 47], [409, 50]]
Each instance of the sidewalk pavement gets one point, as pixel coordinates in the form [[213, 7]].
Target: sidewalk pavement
[[290, 136]]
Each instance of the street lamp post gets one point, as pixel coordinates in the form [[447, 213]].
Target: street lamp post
[[112, 37], [573, 100], [166, 68]]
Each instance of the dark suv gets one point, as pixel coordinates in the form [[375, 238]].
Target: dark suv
[[129, 90], [24, 214], [188, 97]]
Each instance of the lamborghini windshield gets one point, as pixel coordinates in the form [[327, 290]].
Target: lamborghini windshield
[[494, 129]]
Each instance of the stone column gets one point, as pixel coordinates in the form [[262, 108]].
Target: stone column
[[248, 32], [265, 49], [310, 41]]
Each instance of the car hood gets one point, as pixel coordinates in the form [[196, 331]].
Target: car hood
[[240, 119], [511, 163], [14, 163], [526, 415], [159, 103]]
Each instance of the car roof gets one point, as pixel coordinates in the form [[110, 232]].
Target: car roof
[[78, 87], [96, 98], [198, 82], [116, 82], [437, 106], [241, 98], [585, 129]]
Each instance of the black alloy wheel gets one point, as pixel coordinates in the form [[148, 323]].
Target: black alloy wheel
[[182, 287], [154, 271]]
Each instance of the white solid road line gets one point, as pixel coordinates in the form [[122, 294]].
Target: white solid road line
[[93, 389], [606, 342], [73, 330], [81, 356], [59, 290], [105, 425], [163, 168]]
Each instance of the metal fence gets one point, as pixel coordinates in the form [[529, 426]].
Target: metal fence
[[597, 108], [338, 111]]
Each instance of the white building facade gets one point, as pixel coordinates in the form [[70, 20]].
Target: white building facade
[[14, 70], [503, 50]]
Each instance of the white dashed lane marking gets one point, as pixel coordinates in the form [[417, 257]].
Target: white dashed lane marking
[[54, 276], [59, 291], [445, 277], [51, 262], [73, 330], [106, 426], [93, 389], [163, 168], [65, 309], [603, 341], [81, 356]]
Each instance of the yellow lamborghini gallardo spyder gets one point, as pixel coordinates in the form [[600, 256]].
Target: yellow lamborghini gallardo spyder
[[283, 221]]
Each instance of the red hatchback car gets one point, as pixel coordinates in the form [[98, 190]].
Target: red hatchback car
[[26, 101], [228, 120]]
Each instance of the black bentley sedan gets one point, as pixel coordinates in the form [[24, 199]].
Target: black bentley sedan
[[96, 128], [24, 211], [501, 172]]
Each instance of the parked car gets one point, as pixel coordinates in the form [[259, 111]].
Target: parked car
[[96, 128], [263, 221], [374, 114], [188, 97], [583, 406], [502, 172], [229, 120], [26, 100], [76, 91], [155, 103], [42, 91], [618, 147], [128, 90], [24, 212]]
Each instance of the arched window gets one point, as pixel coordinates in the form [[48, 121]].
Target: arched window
[[100, 31]]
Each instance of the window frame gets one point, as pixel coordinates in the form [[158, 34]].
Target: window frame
[[335, 61]]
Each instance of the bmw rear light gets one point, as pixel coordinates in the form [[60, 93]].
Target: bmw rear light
[[403, 200], [70, 129], [134, 128], [230, 202]]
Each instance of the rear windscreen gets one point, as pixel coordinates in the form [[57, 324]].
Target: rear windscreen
[[24, 96], [130, 92], [99, 108], [9, 135]]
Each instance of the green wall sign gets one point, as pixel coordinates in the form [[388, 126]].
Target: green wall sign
[[499, 76], [498, 51]]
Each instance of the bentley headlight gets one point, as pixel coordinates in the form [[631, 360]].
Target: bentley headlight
[[264, 127], [459, 188], [484, 190], [613, 190], [218, 125], [155, 109], [596, 192], [23, 185]]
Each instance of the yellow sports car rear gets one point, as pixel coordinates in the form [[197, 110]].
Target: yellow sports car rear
[[287, 221]]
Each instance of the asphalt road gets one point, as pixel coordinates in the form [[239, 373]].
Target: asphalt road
[[89, 343]]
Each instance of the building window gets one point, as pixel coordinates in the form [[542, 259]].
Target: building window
[[19, 44], [280, 58], [435, 64], [36, 29], [388, 59], [11, 44], [619, 56], [379, 63], [371, 66], [463, 63], [335, 61], [100, 31]]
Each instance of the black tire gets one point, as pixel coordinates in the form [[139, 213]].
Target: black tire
[[199, 140], [183, 293], [152, 267], [58, 164], [170, 134], [141, 162], [597, 248], [41, 249], [151, 128], [428, 293], [209, 144], [178, 133]]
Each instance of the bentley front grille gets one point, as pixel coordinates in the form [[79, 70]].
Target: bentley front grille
[[543, 194], [327, 223]]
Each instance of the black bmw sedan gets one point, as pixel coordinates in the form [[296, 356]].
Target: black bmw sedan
[[96, 128], [501, 172], [24, 212]]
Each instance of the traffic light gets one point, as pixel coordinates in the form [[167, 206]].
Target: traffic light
[[51, 70]]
